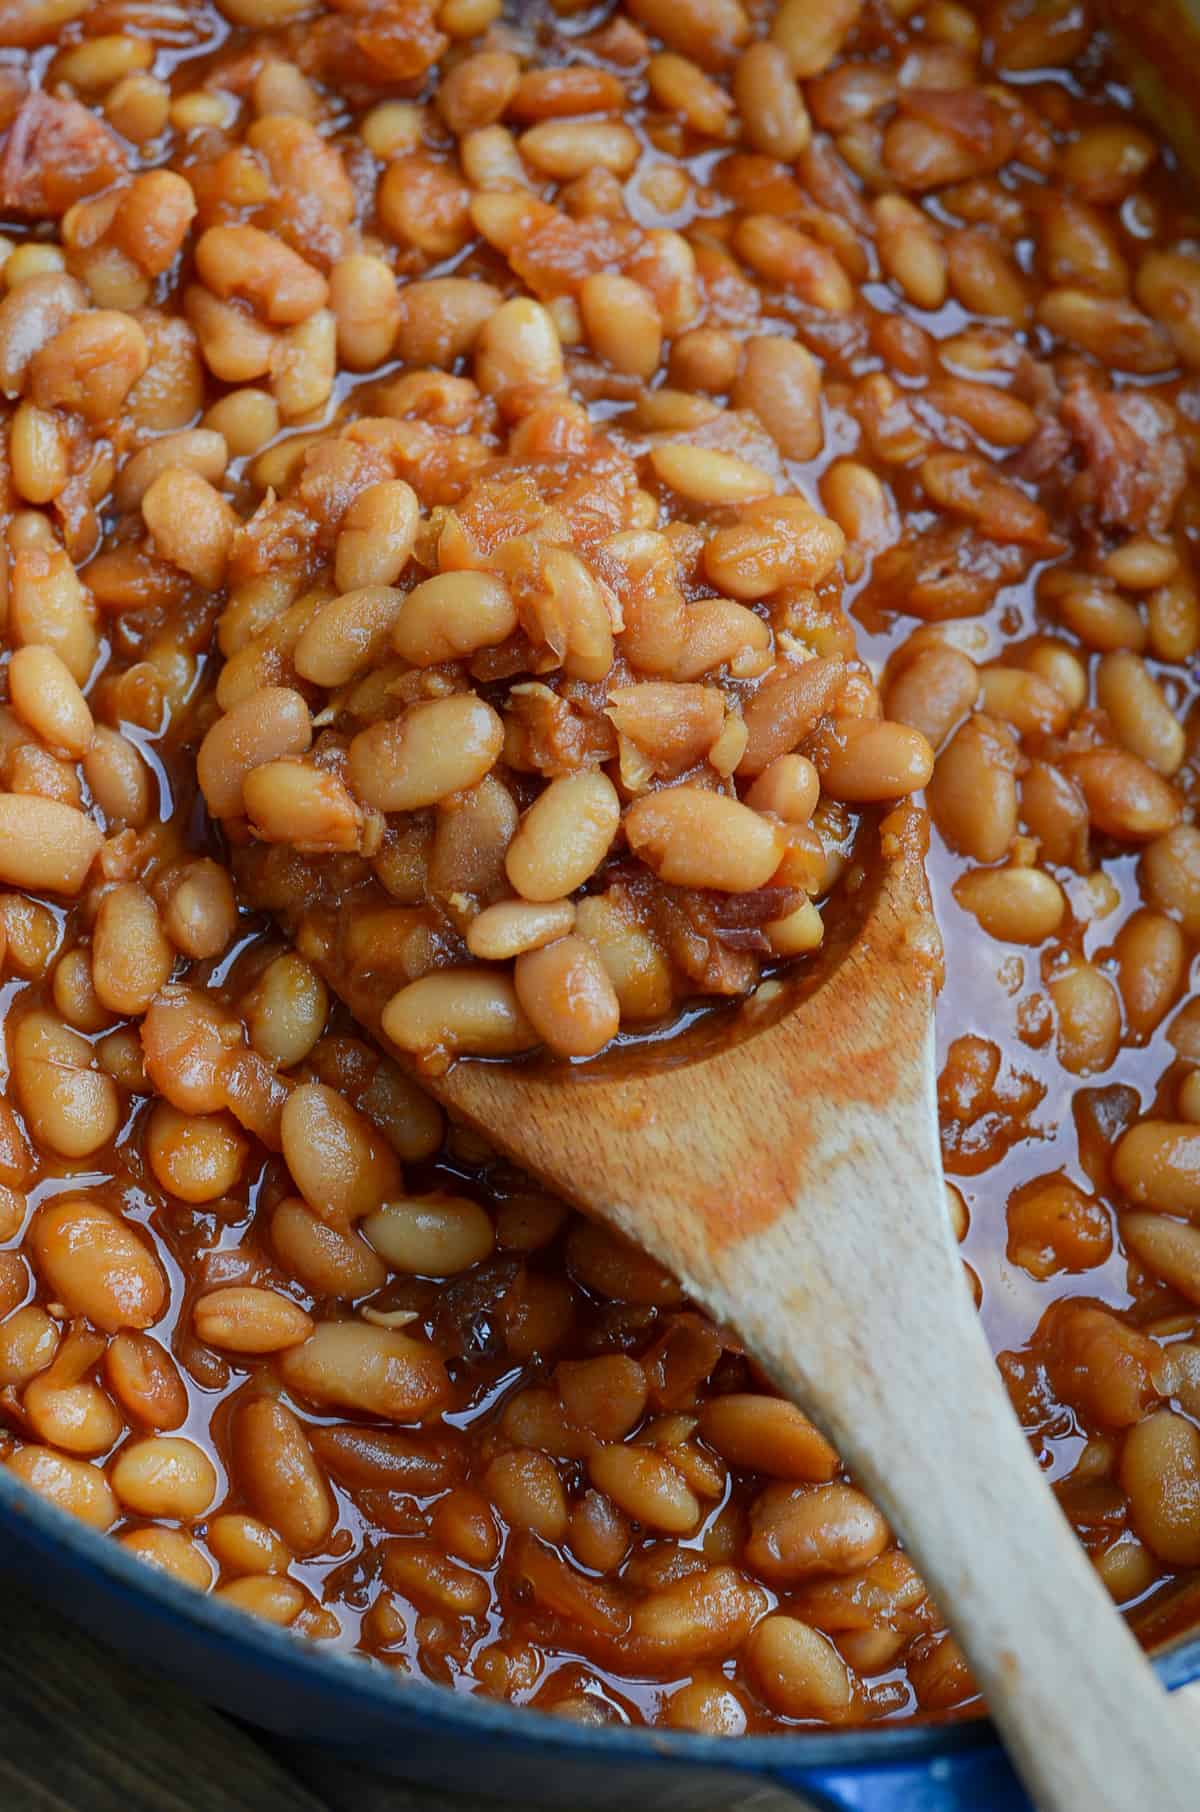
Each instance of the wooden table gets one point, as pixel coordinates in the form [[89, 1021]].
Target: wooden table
[[82, 1731]]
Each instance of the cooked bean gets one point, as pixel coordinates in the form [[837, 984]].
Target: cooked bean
[[294, 802], [436, 748], [1168, 287], [1157, 1165], [711, 1707], [131, 957], [118, 777], [187, 1049], [197, 1157], [285, 1012], [69, 1105], [347, 633], [45, 694], [170, 1551], [809, 40], [563, 837], [768, 1435], [97, 1265], [621, 322], [422, 1573], [73, 1485], [798, 1670], [694, 838], [788, 787], [453, 1010], [341, 1167], [164, 1475], [718, 633], [440, 318], [697, 1618], [64, 1409], [774, 117], [797, 1531], [1107, 327], [1170, 874], [1170, 1249], [450, 617], [775, 542], [243, 260], [1089, 1017], [933, 692], [199, 911], [375, 1370], [511, 927], [464, 1525], [275, 1467], [1100, 617], [1142, 564], [781, 382], [243, 1544], [565, 993], [45, 846], [1160, 1471], [266, 726], [563, 149], [199, 450], [327, 1260], [647, 1487], [1053, 1226], [705, 476], [90, 365], [376, 538], [249, 1320], [1061, 667], [28, 1340], [145, 1381], [518, 344], [1021, 905], [402, 1110], [526, 1489], [1125, 796], [1151, 962], [1032, 705], [792, 260], [606, 1396], [278, 1601], [245, 420], [867, 760], [1138, 711], [48, 606], [431, 1236], [973, 793], [706, 30]]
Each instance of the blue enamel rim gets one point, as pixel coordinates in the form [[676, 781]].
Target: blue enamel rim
[[341, 1675]]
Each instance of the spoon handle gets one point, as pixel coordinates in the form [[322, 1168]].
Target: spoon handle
[[856, 1302]]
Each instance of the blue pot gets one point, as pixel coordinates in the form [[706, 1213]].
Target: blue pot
[[421, 1732]]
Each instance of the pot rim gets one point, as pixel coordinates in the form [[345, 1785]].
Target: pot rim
[[1177, 1664]]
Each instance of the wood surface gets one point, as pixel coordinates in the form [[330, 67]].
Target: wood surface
[[792, 1181]]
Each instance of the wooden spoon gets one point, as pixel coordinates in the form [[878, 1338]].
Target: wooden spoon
[[790, 1176]]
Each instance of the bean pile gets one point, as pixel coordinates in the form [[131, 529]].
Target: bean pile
[[502, 493]]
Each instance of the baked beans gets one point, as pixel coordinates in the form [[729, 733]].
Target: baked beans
[[500, 501]]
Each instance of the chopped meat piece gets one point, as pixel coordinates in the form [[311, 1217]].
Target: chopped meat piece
[[1131, 452], [55, 152]]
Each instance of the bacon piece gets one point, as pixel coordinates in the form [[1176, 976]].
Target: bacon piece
[[1131, 453], [54, 153]]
